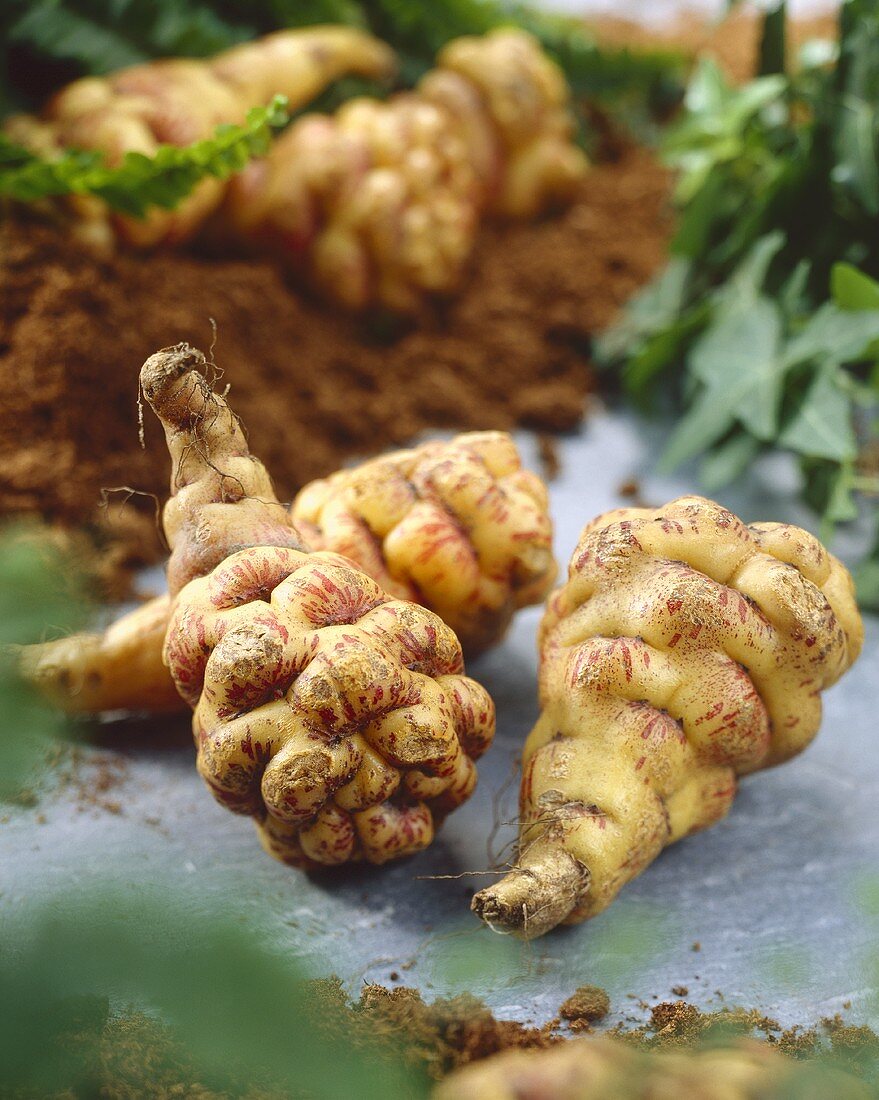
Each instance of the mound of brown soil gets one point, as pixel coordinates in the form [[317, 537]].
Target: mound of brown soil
[[312, 386]]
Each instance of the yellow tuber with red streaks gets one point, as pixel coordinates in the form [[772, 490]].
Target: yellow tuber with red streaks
[[377, 205], [685, 650], [459, 527], [336, 716], [610, 1069]]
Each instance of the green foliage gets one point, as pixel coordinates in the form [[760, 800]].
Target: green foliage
[[620, 76], [49, 42], [764, 327], [241, 1011], [40, 595], [140, 182]]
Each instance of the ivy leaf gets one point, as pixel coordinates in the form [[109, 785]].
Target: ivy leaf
[[737, 361], [728, 461], [821, 426], [834, 334], [851, 289], [746, 282], [649, 311]]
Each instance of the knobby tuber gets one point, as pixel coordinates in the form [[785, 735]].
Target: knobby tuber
[[460, 527], [333, 714], [686, 649], [378, 204], [177, 101], [457, 526], [609, 1069]]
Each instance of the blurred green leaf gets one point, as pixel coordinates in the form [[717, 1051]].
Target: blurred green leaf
[[773, 40], [821, 425], [737, 360], [852, 289], [241, 1010], [728, 460], [41, 595]]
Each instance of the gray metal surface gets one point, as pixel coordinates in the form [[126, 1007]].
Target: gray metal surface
[[770, 895]]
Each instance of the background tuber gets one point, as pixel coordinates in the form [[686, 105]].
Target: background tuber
[[378, 204], [609, 1069]]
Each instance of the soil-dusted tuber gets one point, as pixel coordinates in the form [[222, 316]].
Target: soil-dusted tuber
[[459, 527], [608, 1069], [378, 204], [177, 101], [686, 649], [336, 716]]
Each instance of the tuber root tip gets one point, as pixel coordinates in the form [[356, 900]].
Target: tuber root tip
[[168, 365], [534, 897]]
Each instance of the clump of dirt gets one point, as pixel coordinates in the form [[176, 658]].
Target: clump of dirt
[[436, 1037], [588, 1004], [132, 1056], [679, 1024], [313, 386]]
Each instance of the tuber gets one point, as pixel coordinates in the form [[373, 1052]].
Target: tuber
[[457, 526], [177, 101], [610, 1069], [378, 204], [121, 669], [686, 649], [333, 714]]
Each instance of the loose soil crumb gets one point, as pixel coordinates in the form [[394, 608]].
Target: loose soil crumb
[[313, 386], [589, 1004], [132, 1056], [550, 459], [436, 1037]]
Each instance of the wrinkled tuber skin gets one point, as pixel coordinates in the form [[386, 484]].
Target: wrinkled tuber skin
[[178, 101], [686, 649], [334, 715], [459, 527], [380, 203], [608, 1069]]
